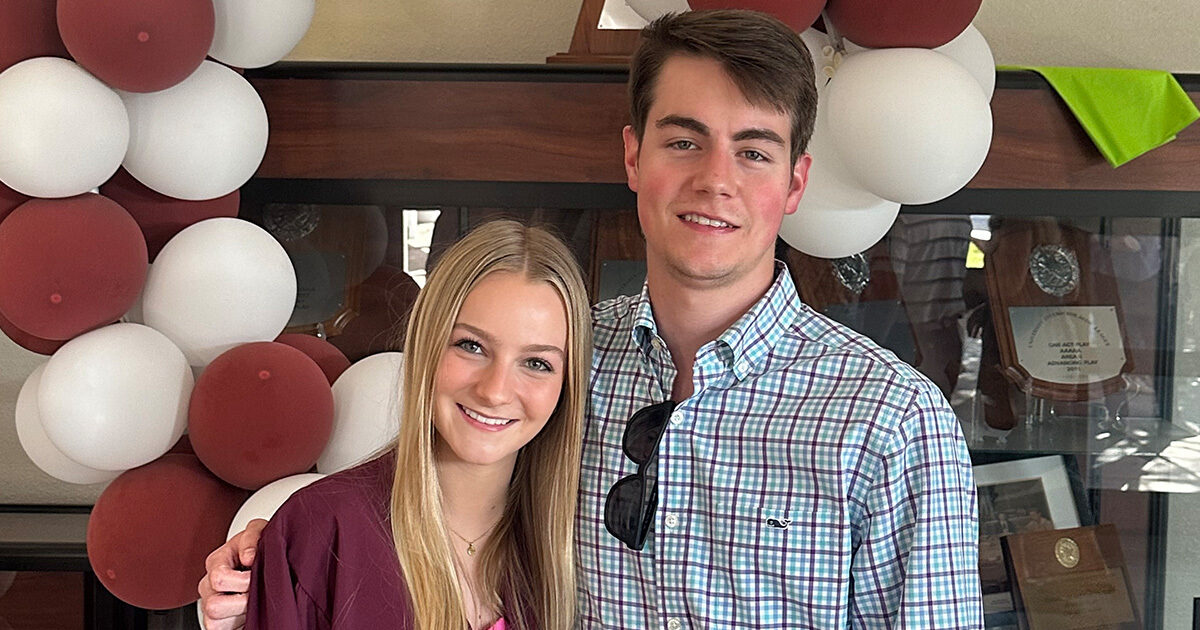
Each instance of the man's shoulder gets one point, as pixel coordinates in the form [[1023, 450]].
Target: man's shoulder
[[816, 343]]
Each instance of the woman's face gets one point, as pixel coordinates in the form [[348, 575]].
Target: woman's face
[[501, 376]]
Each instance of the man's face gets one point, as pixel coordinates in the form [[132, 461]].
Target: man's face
[[712, 176]]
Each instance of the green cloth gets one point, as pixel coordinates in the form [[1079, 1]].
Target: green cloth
[[1126, 112]]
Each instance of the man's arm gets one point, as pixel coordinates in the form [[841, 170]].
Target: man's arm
[[917, 563], [224, 588]]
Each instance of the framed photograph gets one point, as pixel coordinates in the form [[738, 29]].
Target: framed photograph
[[1017, 496]]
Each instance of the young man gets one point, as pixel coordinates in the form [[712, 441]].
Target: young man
[[802, 478]]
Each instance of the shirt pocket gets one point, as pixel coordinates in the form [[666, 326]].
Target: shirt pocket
[[795, 560]]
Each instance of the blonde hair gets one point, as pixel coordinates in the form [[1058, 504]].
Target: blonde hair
[[528, 566]]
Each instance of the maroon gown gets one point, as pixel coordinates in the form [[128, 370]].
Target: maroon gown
[[326, 559]]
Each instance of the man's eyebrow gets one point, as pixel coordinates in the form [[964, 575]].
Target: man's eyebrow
[[479, 332], [754, 133], [682, 121], [759, 133]]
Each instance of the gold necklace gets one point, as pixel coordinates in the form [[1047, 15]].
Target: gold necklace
[[471, 543]]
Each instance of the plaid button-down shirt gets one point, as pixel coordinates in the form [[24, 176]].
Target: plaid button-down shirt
[[812, 480]]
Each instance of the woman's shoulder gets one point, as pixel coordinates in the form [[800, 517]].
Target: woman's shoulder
[[358, 496]]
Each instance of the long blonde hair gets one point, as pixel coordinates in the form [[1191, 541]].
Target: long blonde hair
[[528, 566]]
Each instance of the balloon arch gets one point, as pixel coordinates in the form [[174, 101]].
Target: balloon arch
[[128, 130]]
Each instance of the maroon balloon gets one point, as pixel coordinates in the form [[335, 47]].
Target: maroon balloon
[[27, 30], [162, 217], [901, 23], [326, 355], [28, 341], [69, 265], [380, 314], [153, 526], [9, 200], [260, 412], [797, 14], [138, 45]]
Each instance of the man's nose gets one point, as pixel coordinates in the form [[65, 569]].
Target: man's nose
[[717, 174]]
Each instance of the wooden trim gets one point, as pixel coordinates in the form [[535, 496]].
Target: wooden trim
[[569, 131]]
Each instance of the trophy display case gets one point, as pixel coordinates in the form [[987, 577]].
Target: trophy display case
[[1055, 301]]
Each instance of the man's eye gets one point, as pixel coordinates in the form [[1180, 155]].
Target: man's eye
[[756, 156], [683, 144]]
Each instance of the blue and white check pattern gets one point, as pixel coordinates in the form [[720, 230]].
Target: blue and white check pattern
[[812, 480]]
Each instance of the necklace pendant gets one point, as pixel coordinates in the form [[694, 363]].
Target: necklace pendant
[[470, 549]]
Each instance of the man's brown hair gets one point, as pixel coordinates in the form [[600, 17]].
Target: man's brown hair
[[766, 60]]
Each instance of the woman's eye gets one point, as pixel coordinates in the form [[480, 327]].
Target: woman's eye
[[469, 346], [540, 365]]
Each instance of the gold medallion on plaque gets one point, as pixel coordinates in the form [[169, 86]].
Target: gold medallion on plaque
[[1066, 551]]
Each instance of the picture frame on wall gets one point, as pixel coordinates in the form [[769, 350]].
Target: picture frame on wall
[[1015, 497]]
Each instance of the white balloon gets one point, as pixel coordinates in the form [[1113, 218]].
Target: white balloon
[[971, 51], [259, 33], [836, 217], [63, 132], [116, 398], [651, 10], [267, 499], [912, 125], [219, 283], [366, 407], [199, 139], [42, 452]]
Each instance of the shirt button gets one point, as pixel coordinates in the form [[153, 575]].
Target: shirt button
[[674, 624], [741, 366], [672, 521], [676, 417]]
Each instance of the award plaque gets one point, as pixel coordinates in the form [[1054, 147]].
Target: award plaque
[[860, 292], [1070, 579], [1056, 311]]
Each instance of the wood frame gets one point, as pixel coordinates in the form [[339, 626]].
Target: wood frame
[[558, 124], [591, 44]]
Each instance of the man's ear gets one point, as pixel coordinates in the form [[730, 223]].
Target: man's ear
[[631, 156], [798, 183]]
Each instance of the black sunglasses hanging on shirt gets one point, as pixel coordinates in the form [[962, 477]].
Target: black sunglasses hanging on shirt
[[632, 501]]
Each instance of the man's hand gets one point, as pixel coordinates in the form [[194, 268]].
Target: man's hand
[[223, 590]]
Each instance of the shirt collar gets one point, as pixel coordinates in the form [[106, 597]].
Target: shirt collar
[[749, 339]]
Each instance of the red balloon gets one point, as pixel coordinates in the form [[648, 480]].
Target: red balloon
[[380, 315], [901, 23], [797, 14], [28, 30], [326, 355], [162, 217], [69, 265], [260, 412], [9, 200], [28, 341], [138, 45], [152, 528]]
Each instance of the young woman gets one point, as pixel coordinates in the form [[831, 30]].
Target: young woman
[[467, 522]]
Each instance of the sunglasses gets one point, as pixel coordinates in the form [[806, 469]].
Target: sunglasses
[[629, 508]]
